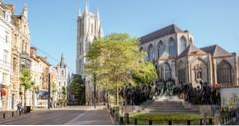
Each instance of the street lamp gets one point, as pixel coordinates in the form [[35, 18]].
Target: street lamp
[[94, 84], [49, 90]]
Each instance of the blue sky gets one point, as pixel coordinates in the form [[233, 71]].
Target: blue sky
[[53, 22]]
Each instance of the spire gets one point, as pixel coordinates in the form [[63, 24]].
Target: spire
[[79, 12], [62, 62], [25, 10], [86, 6], [98, 13]]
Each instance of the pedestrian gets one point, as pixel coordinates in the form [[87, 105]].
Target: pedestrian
[[19, 107]]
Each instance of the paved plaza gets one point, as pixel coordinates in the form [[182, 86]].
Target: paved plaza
[[67, 116]]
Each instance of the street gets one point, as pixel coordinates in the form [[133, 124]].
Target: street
[[62, 117]]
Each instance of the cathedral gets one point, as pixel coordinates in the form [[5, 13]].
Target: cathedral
[[176, 56], [88, 29]]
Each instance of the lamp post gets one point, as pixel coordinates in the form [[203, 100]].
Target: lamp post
[[94, 84], [49, 91]]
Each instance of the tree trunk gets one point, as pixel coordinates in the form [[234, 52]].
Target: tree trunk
[[117, 95], [25, 97]]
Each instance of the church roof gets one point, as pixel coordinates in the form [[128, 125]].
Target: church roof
[[191, 49], [171, 29], [216, 50]]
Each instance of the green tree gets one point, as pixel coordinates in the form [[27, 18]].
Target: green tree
[[26, 82], [53, 87], [64, 92], [117, 62], [78, 89]]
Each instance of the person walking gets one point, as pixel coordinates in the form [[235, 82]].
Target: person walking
[[19, 108]]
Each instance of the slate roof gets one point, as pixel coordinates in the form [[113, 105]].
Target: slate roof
[[171, 29], [216, 50], [189, 50]]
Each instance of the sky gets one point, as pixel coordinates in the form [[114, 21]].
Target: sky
[[53, 22]]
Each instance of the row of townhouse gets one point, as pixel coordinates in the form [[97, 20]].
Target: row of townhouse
[[17, 54]]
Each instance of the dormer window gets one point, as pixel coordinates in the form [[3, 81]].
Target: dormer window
[[6, 16]]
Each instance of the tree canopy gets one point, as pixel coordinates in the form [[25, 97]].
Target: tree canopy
[[26, 79], [116, 62]]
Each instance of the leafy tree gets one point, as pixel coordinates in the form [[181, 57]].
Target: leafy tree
[[64, 92], [78, 89], [53, 87], [26, 82], [116, 62]]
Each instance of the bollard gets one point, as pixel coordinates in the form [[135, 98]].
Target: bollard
[[121, 121], [12, 114], [127, 118], [210, 121], [4, 115], [170, 122], [135, 121], [201, 122], [150, 122], [188, 122]]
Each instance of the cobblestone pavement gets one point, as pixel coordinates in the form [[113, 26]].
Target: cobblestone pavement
[[62, 117]]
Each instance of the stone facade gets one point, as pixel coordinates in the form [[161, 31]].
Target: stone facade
[[88, 29], [6, 87], [174, 53]]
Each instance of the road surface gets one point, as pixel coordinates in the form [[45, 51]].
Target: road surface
[[62, 117]]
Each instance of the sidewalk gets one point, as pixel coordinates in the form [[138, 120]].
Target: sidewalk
[[84, 108]]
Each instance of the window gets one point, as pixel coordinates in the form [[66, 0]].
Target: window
[[224, 73], [181, 72], [6, 37], [160, 48], [14, 64], [4, 77], [172, 47], [92, 28], [200, 71], [167, 71], [62, 72], [5, 56], [183, 44], [150, 53]]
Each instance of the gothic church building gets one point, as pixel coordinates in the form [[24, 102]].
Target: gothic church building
[[174, 53], [88, 29]]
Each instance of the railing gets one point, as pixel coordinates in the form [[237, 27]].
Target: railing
[[9, 114], [229, 117], [135, 121], [126, 120]]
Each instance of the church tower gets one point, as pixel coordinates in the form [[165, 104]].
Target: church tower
[[88, 29]]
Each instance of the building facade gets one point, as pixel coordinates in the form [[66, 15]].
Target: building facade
[[88, 29], [62, 79], [6, 12], [176, 57], [20, 53]]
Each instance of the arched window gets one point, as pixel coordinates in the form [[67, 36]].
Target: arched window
[[183, 44], [224, 73], [172, 47], [181, 72], [167, 71], [150, 52], [160, 48]]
